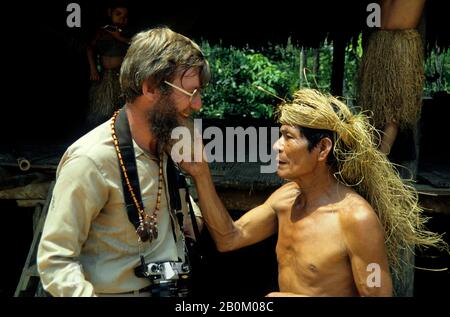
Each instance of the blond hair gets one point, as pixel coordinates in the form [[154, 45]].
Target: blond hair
[[157, 55], [362, 166]]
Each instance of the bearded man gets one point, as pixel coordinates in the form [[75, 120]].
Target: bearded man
[[91, 243]]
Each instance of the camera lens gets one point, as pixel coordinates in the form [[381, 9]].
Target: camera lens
[[155, 268]]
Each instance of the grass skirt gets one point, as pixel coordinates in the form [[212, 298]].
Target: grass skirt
[[104, 97], [391, 77]]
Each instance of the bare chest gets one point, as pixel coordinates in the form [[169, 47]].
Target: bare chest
[[310, 249]]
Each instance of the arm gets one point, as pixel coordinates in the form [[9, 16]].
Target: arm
[[254, 226], [364, 239], [79, 194], [118, 36]]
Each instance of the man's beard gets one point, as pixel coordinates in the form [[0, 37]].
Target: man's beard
[[163, 118]]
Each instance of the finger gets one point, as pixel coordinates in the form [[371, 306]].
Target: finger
[[176, 157]]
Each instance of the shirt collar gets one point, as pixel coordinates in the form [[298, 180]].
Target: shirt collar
[[138, 151]]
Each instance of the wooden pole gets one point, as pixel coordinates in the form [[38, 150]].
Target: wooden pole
[[300, 68], [316, 65], [337, 70]]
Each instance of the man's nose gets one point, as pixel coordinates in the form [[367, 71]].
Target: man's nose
[[277, 145], [196, 104]]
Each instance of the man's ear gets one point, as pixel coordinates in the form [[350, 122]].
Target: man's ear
[[325, 147], [149, 91]]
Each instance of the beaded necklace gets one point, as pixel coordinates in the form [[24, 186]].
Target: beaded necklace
[[148, 226]]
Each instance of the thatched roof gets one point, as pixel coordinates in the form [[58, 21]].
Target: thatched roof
[[242, 22], [308, 23]]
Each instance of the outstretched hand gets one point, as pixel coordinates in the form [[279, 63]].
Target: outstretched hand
[[193, 168], [189, 153]]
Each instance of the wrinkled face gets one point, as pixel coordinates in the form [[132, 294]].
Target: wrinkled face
[[175, 109], [294, 158], [119, 17]]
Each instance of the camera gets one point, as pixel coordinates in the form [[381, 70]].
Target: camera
[[169, 279], [167, 271]]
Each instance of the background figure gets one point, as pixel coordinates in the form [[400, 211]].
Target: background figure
[[391, 74], [106, 53]]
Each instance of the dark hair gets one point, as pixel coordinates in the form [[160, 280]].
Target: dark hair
[[313, 136]]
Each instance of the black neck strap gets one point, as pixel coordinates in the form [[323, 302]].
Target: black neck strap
[[129, 159], [175, 179]]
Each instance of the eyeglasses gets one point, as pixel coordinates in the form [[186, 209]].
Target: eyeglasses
[[191, 95]]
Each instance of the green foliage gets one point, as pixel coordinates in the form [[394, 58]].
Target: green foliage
[[353, 56], [324, 74], [437, 72], [236, 72]]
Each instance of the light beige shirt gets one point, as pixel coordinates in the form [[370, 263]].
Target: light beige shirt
[[88, 244]]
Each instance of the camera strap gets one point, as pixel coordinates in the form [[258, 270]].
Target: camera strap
[[123, 133], [176, 180], [129, 159]]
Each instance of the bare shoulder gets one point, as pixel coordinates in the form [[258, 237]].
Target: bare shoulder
[[356, 215], [362, 231]]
